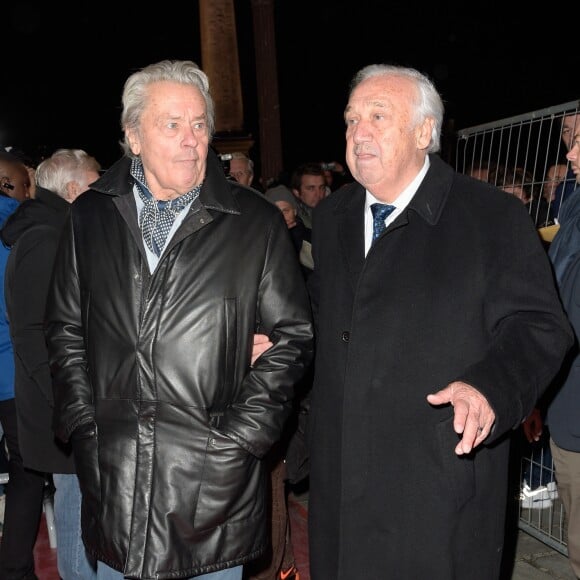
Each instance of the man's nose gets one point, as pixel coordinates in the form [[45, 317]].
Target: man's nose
[[189, 137], [361, 132]]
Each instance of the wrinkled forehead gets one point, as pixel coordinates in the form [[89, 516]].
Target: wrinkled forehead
[[174, 99], [387, 92]]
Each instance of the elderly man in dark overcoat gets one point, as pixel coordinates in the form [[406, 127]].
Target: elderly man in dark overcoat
[[434, 341]]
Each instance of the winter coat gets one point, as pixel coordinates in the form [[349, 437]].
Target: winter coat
[[7, 206], [458, 288], [33, 232], [563, 416], [153, 383]]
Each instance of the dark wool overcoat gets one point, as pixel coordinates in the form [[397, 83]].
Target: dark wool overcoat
[[458, 287], [33, 232], [153, 385]]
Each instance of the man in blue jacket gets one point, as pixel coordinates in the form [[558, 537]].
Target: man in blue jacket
[[21, 516], [563, 414]]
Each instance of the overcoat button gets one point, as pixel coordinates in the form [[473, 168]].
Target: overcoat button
[[345, 336]]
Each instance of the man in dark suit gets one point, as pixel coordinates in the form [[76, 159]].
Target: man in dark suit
[[434, 341]]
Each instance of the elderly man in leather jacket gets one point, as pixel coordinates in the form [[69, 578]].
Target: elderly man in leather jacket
[[166, 270]]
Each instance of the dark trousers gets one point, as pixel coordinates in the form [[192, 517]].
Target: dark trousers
[[23, 510], [280, 557]]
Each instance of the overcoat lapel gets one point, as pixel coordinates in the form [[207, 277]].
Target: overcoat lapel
[[351, 233]]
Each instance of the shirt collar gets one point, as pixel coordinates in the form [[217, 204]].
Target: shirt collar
[[405, 197]]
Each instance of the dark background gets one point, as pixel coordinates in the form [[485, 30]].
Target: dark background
[[64, 64]]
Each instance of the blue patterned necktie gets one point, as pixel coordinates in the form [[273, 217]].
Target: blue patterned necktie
[[157, 217], [380, 213]]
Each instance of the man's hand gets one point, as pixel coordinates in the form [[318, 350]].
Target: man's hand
[[261, 344], [533, 426], [474, 416]]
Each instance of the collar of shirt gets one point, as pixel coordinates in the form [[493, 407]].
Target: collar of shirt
[[402, 201]]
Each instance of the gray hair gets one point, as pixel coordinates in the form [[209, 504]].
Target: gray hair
[[64, 166], [429, 102], [135, 92], [240, 155]]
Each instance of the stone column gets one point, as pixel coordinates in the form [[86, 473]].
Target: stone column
[[270, 138], [219, 56]]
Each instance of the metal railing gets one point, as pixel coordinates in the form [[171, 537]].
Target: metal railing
[[516, 153], [541, 512]]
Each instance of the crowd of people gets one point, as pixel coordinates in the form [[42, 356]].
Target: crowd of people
[[179, 346]]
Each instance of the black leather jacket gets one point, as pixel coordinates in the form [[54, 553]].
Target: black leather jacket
[[153, 382]]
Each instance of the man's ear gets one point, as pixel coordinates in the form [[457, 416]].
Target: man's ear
[[72, 191], [133, 141], [424, 132]]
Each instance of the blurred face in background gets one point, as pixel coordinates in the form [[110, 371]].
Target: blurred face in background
[[288, 211], [481, 173], [518, 191], [14, 180], [554, 176], [312, 189], [240, 171]]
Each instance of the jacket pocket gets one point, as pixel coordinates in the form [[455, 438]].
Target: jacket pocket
[[459, 471], [230, 488]]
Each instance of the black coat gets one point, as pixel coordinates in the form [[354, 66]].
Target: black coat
[[33, 232], [458, 287], [563, 415], [169, 422]]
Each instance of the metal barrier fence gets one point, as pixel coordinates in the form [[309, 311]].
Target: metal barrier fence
[[516, 154], [541, 512], [526, 156]]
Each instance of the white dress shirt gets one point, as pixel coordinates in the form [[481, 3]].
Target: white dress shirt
[[400, 204]]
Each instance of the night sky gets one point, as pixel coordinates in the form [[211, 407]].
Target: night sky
[[63, 68]]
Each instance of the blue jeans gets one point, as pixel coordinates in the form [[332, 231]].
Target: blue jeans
[[73, 563], [104, 572]]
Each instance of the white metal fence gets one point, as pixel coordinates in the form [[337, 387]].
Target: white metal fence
[[517, 155]]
